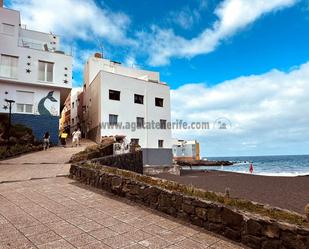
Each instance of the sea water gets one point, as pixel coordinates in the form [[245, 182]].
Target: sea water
[[265, 165]]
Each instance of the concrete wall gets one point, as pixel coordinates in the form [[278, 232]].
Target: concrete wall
[[159, 157], [39, 125]]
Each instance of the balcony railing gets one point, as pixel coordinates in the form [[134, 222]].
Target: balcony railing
[[40, 46]]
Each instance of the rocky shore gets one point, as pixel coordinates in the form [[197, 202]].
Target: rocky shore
[[203, 163]]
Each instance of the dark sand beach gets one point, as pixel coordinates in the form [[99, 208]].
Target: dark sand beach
[[285, 192]]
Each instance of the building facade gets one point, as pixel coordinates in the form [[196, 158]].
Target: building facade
[[130, 102], [186, 150], [35, 73]]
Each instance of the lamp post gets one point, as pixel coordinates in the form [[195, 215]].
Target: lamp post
[[9, 103]]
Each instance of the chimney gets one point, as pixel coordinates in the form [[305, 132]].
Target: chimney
[[96, 55]]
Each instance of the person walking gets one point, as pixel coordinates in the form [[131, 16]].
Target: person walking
[[46, 138], [76, 137]]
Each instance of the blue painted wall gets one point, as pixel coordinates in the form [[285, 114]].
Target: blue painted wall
[[39, 125]]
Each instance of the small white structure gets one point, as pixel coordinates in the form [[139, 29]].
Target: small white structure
[[186, 150], [130, 102], [34, 73]]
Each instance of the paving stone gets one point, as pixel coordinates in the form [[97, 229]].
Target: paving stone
[[81, 240], [103, 233], [154, 243], [118, 241], [44, 238]]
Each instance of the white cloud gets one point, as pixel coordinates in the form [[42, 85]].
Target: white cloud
[[233, 15], [74, 19], [269, 113], [186, 17]]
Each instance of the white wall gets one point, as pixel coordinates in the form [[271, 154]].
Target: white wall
[[39, 93], [9, 46], [127, 110], [95, 65], [74, 99]]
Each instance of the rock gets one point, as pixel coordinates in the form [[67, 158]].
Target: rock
[[251, 241], [253, 227], [271, 231], [291, 240], [231, 218], [201, 213], [188, 208], [214, 215], [232, 234], [271, 244]]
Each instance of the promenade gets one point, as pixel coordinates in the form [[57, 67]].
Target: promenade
[[40, 208]]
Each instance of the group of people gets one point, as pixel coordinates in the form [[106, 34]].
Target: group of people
[[76, 138]]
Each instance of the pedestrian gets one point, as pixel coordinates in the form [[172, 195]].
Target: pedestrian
[[63, 138], [46, 138], [251, 168], [76, 137]]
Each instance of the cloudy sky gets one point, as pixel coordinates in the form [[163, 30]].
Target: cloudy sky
[[245, 61]]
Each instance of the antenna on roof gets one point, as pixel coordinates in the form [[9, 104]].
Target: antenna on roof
[[100, 44]]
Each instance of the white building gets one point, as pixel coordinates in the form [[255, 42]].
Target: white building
[[120, 100], [186, 150], [34, 73], [75, 119]]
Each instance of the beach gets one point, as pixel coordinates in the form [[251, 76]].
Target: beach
[[290, 193]]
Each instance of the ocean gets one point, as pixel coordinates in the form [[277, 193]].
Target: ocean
[[266, 165]]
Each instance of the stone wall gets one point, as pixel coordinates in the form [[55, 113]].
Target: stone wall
[[251, 230], [129, 161], [39, 125]]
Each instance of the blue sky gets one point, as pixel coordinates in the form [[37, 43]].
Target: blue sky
[[243, 60]]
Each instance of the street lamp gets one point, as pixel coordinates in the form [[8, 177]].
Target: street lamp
[[9, 103]]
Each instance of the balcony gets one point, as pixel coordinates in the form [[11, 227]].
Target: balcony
[[41, 46]]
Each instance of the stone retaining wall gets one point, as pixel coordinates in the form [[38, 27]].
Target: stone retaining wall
[[129, 161], [251, 230]]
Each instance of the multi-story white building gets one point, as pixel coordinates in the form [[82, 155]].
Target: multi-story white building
[[34, 73], [131, 102], [75, 118]]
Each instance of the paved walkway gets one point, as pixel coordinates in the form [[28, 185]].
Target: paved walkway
[[58, 212], [50, 163]]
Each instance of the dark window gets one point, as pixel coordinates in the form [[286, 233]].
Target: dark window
[[139, 122], [162, 124], [160, 143], [114, 95], [73, 105], [135, 141], [159, 102], [113, 119], [138, 99]]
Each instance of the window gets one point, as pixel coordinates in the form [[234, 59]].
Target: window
[[160, 143], [46, 71], [73, 105], [8, 66], [113, 119], [159, 102], [24, 101], [8, 28], [134, 141], [139, 122], [138, 99], [162, 124], [72, 120], [114, 95]]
